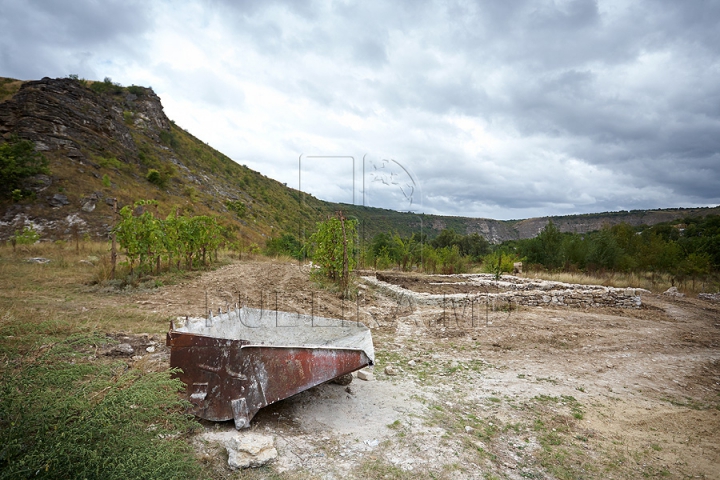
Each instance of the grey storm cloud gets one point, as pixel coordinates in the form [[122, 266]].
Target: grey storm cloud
[[43, 37], [499, 109]]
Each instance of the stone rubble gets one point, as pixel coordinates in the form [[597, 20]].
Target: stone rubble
[[521, 291]]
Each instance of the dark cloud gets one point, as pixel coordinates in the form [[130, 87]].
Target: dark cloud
[[50, 38]]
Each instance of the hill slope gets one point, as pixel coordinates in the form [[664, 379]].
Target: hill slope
[[103, 141]]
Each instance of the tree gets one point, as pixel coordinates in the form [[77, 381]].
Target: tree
[[447, 238], [474, 246], [604, 251], [19, 160], [334, 244], [546, 248]]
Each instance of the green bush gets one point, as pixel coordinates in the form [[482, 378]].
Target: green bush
[[168, 138], [28, 236], [499, 262], [154, 177], [109, 162], [19, 160], [147, 239], [237, 206], [135, 90], [286, 244], [106, 86]]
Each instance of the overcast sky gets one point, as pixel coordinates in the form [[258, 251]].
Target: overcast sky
[[498, 109]]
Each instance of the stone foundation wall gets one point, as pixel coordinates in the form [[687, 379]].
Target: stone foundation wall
[[523, 292]]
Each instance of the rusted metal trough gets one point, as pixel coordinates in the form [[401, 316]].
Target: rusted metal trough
[[237, 362]]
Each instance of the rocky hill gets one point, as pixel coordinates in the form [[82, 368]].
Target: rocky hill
[[103, 141], [106, 143]]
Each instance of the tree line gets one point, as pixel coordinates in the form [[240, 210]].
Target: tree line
[[689, 248]]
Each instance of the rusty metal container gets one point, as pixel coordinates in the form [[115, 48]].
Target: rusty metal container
[[237, 362]]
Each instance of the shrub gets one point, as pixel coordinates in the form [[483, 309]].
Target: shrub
[[237, 206], [287, 244], [28, 236], [168, 138], [19, 160], [106, 86], [154, 177], [135, 90]]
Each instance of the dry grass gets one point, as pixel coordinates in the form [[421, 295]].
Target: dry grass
[[56, 298], [656, 283]]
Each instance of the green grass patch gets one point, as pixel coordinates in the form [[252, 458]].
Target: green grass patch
[[64, 414]]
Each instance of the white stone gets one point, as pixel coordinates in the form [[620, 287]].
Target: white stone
[[365, 375], [250, 449]]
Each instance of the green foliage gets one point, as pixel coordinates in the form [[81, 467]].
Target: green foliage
[[19, 160], [76, 77], [286, 244], [333, 248], [109, 162], [168, 138], [128, 117], [106, 181], [604, 252], [499, 262], [135, 90], [451, 260], [689, 250], [237, 206], [106, 86], [28, 236], [546, 248], [146, 238], [156, 178], [62, 416]]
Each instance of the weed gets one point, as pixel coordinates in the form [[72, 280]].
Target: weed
[[395, 425]]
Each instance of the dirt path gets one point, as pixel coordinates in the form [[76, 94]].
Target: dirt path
[[538, 393]]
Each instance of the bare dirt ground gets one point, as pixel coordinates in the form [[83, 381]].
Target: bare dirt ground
[[529, 393]]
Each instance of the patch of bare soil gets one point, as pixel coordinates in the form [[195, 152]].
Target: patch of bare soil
[[526, 393]]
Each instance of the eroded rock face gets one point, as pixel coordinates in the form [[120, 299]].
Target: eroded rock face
[[62, 114], [83, 134]]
